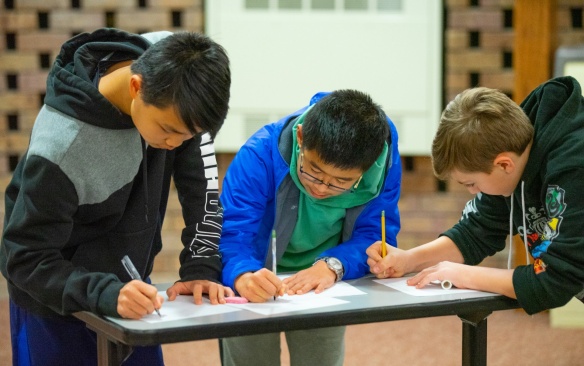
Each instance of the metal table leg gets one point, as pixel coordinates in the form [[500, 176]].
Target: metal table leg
[[110, 353], [474, 338]]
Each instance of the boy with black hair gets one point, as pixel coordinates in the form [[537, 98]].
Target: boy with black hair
[[526, 166], [320, 177], [122, 116]]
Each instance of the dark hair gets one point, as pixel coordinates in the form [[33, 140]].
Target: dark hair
[[346, 129], [191, 72]]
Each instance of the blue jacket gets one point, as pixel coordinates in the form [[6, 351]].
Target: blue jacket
[[258, 195]]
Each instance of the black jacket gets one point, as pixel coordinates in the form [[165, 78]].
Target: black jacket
[[88, 192], [548, 203]]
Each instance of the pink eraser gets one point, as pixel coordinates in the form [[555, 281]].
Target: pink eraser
[[235, 300]]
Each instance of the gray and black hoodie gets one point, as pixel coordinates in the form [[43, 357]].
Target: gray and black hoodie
[[89, 191], [547, 207]]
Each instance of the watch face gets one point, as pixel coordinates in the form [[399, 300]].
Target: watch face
[[335, 263], [336, 266]]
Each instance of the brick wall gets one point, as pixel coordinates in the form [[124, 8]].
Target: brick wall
[[479, 42], [478, 51]]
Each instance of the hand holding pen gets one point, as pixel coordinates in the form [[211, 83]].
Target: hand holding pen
[[263, 284], [137, 297], [259, 286]]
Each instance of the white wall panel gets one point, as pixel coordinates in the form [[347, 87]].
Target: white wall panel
[[284, 51]]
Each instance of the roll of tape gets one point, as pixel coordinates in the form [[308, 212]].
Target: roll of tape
[[447, 285]]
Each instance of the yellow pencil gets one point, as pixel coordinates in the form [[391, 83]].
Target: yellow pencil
[[383, 249]]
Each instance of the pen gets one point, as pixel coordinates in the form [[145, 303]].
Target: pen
[[383, 249], [133, 272], [274, 266]]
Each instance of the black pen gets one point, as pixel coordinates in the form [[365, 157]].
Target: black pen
[[133, 272]]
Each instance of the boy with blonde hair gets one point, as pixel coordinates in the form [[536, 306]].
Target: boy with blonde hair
[[526, 166]]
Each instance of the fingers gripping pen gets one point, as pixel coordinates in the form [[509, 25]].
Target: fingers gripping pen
[[133, 272]]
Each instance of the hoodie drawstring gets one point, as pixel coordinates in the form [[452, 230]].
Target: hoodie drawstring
[[524, 227], [511, 227]]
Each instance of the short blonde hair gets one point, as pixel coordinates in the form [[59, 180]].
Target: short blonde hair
[[475, 127]]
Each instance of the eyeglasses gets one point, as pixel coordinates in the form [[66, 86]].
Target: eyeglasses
[[332, 187]]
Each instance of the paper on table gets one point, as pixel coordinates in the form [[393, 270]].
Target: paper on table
[[341, 289], [310, 300], [183, 307], [287, 303], [431, 289]]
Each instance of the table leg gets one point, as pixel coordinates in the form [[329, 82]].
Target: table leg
[[110, 353], [474, 338]]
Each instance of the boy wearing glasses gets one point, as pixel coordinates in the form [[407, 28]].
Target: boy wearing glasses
[[320, 178]]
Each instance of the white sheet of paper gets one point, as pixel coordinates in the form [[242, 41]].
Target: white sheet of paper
[[286, 303], [432, 289], [341, 289], [183, 307]]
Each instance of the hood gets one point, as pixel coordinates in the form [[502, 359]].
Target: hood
[[556, 109], [70, 87]]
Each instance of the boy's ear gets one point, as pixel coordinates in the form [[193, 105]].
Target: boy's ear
[[135, 85], [504, 161], [299, 135]]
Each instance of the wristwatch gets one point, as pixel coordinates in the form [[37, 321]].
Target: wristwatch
[[334, 265]]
